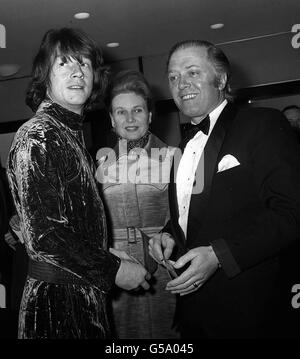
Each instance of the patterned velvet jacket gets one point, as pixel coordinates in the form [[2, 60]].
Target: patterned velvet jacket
[[62, 216]]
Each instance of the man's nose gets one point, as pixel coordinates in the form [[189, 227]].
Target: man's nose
[[77, 70], [183, 82]]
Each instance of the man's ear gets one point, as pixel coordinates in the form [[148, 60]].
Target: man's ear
[[222, 81], [112, 120], [150, 117]]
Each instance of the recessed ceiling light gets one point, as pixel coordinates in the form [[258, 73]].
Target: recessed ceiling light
[[113, 44], [216, 26], [9, 69], [82, 15]]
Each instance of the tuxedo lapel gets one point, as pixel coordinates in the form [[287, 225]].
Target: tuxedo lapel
[[214, 144], [211, 154], [210, 157]]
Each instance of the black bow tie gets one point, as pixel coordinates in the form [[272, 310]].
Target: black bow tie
[[190, 129]]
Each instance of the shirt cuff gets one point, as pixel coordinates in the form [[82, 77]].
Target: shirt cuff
[[228, 263]]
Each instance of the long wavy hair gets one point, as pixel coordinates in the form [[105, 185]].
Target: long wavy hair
[[67, 42]]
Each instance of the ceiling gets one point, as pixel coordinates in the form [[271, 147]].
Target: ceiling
[[256, 37], [142, 27]]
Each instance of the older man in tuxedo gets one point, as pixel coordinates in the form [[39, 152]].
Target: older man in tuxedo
[[226, 238]]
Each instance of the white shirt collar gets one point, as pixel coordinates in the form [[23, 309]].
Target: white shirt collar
[[214, 115]]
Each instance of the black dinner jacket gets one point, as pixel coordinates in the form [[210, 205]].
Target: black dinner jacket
[[210, 156], [248, 213], [268, 153]]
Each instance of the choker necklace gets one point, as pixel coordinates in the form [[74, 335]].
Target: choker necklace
[[140, 143]]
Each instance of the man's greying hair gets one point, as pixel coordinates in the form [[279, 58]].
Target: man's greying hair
[[127, 81], [215, 55], [66, 42], [291, 107]]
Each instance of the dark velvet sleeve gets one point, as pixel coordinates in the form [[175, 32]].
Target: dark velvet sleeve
[[53, 233]]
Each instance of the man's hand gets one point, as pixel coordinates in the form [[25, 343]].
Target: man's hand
[[161, 246], [131, 274], [203, 264]]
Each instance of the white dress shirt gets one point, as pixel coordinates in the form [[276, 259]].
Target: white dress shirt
[[188, 165]]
